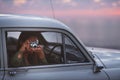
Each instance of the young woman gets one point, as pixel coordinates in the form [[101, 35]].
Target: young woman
[[29, 52]]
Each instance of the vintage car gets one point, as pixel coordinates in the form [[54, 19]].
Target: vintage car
[[68, 58]]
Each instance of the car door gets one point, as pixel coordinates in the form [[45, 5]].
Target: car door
[[1, 59], [73, 62]]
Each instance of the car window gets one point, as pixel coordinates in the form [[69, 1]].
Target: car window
[[11, 43], [73, 53], [34, 48], [52, 37], [48, 42]]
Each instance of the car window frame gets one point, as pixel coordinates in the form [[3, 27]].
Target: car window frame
[[91, 62], [1, 50], [2, 68], [73, 43]]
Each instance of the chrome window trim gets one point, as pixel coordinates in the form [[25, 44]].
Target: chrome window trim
[[88, 65], [1, 50]]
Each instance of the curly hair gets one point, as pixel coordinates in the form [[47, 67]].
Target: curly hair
[[25, 35]]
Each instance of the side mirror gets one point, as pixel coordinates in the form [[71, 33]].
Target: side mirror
[[97, 68]]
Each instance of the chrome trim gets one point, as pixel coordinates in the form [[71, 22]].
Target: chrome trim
[[50, 66]]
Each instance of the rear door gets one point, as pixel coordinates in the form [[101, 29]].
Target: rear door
[[67, 59], [1, 59]]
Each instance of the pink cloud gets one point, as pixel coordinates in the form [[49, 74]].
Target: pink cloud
[[89, 12], [19, 2], [107, 12]]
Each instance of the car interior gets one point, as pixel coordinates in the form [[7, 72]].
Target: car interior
[[54, 52]]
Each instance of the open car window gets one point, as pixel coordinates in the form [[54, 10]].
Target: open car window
[[57, 48]]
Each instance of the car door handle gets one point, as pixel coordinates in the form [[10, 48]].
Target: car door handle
[[14, 72]]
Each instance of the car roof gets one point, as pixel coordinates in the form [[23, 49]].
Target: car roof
[[10, 20]]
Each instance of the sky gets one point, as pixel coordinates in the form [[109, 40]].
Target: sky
[[62, 7], [95, 22]]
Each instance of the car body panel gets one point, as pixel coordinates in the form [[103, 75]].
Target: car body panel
[[25, 21], [71, 72], [114, 73], [111, 60], [109, 57]]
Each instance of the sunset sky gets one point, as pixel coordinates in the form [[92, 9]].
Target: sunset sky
[[62, 7], [96, 22]]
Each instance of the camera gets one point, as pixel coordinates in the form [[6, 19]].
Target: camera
[[34, 44]]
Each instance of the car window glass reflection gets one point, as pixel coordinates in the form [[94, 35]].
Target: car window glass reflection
[[73, 53]]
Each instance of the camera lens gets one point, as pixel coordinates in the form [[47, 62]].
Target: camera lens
[[34, 44]]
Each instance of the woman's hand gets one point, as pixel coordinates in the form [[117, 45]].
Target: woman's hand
[[25, 46], [37, 49]]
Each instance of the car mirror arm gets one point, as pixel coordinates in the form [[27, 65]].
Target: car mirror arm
[[97, 68]]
